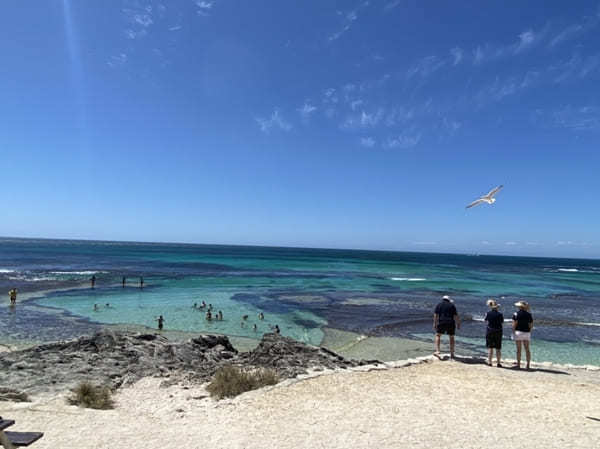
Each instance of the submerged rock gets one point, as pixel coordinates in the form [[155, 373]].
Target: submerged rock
[[115, 359]]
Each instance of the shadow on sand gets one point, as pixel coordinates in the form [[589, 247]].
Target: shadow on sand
[[483, 361]]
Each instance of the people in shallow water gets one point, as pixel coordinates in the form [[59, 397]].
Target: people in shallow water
[[93, 280], [12, 294], [141, 282], [254, 328], [261, 316], [107, 305], [124, 281], [208, 315], [220, 316], [210, 307], [161, 322], [276, 329], [96, 308], [195, 306], [203, 305]]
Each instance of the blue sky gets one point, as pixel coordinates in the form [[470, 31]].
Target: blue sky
[[353, 124]]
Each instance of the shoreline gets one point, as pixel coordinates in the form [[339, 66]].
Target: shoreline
[[347, 343]]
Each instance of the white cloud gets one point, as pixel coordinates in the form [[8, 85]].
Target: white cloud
[[584, 118], [457, 53], [485, 242], [424, 243], [392, 4], [478, 55], [348, 18], [175, 28], [403, 141], [566, 34], [526, 40], [368, 142], [306, 110], [354, 104], [425, 67], [511, 243], [117, 60], [204, 7], [275, 121], [364, 119]]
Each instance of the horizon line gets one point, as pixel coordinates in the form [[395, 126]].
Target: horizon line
[[467, 254]]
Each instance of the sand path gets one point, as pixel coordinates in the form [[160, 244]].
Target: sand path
[[431, 405]]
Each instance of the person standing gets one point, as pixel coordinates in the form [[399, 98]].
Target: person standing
[[93, 280], [445, 321], [522, 326], [141, 282], [13, 296], [161, 322], [124, 281], [493, 333]]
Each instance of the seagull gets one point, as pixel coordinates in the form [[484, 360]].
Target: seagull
[[489, 198]]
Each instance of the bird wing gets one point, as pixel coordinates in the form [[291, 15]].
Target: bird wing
[[474, 203], [493, 191]]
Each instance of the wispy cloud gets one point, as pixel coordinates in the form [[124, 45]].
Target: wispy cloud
[[364, 119], [457, 55], [306, 110], [117, 60], [511, 243], [425, 67], [274, 121], [175, 28], [526, 40], [568, 33], [391, 5], [204, 7], [403, 141], [368, 142], [584, 118], [348, 19], [577, 67]]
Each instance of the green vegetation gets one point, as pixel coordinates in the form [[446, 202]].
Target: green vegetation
[[91, 396], [229, 381]]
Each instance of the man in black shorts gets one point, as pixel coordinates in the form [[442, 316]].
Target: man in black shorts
[[445, 321]]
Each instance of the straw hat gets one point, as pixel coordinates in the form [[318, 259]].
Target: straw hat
[[447, 298], [522, 305], [492, 304]]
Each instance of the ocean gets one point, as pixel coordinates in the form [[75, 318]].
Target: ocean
[[308, 293]]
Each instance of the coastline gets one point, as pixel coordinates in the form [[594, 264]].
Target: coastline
[[385, 406]]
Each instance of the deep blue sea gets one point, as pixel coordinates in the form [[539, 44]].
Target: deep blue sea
[[303, 291]]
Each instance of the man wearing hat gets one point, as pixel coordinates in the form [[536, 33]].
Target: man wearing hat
[[445, 321]]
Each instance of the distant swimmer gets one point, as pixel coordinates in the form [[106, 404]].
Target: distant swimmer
[[161, 322], [245, 317], [203, 306], [93, 280], [277, 330], [141, 282], [220, 316], [124, 281], [96, 308], [254, 328], [195, 306], [13, 296], [261, 316], [107, 305], [210, 307], [208, 315]]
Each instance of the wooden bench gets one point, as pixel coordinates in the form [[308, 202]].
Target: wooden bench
[[11, 440]]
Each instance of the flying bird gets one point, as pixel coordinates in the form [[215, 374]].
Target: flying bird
[[489, 198]]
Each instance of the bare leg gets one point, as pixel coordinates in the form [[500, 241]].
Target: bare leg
[[518, 354], [498, 356], [490, 352], [437, 344], [527, 353], [451, 346]]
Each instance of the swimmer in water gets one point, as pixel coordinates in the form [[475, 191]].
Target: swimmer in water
[[161, 321], [220, 316]]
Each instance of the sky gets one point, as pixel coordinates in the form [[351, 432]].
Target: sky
[[338, 124]]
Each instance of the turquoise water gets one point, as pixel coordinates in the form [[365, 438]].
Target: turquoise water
[[373, 293]]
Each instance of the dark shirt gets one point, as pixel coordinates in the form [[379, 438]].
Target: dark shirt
[[494, 320], [523, 319], [445, 311]]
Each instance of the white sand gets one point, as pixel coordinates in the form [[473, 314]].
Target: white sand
[[431, 405]]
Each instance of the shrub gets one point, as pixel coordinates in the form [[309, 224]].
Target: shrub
[[91, 396], [229, 381]]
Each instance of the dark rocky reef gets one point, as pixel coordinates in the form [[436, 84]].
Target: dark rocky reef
[[120, 358]]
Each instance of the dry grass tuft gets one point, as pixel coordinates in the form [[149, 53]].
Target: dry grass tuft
[[229, 381], [91, 396]]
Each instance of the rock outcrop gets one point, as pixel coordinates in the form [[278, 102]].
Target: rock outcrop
[[120, 358]]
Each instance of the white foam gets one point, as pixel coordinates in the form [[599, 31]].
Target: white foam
[[408, 279], [569, 270], [588, 324], [5, 270], [79, 273]]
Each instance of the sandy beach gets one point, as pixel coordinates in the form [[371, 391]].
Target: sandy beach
[[426, 404]]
